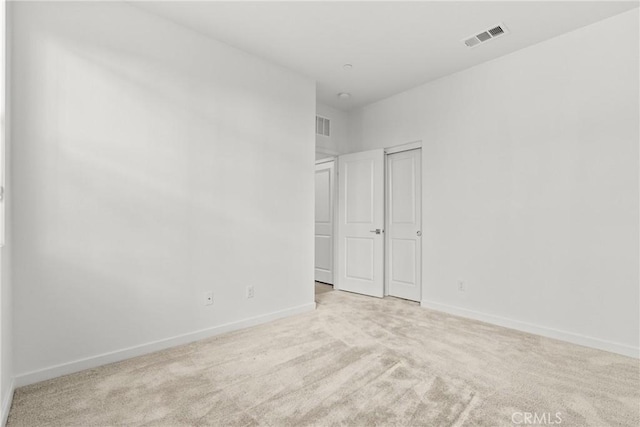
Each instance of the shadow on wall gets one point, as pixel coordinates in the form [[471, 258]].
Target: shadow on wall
[[143, 185]]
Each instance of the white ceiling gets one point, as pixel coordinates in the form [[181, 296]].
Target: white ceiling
[[393, 46]]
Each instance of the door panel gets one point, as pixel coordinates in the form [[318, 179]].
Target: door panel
[[402, 268], [323, 253], [404, 224], [359, 190], [324, 222], [402, 191], [360, 213], [359, 255]]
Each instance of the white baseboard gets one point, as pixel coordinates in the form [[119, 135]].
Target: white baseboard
[[6, 403], [139, 350], [625, 350]]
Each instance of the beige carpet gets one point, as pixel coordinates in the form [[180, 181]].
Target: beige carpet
[[354, 361], [321, 288]]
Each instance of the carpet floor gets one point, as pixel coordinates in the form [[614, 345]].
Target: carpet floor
[[354, 361]]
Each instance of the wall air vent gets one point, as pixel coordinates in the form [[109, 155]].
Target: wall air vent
[[323, 126], [486, 35]]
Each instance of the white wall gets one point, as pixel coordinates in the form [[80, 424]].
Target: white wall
[[151, 164], [530, 173], [6, 309], [336, 143]]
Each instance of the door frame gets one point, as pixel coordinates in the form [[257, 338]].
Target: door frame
[[334, 201], [415, 145]]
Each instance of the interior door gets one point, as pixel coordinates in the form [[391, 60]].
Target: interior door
[[324, 222], [361, 222], [404, 212]]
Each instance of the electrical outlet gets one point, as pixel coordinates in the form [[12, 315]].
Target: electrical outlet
[[208, 298], [250, 292], [461, 286]]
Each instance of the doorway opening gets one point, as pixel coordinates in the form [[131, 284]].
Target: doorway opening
[[368, 230], [325, 207]]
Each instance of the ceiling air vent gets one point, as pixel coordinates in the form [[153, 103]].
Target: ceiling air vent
[[486, 35], [323, 126], [496, 31]]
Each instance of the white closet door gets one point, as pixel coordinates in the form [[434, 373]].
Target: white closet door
[[361, 222], [324, 222], [404, 203]]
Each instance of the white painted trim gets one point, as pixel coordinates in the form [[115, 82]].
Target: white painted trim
[[385, 230], [325, 160], [6, 102], [151, 347], [6, 404], [403, 147], [328, 151], [531, 328], [329, 165], [336, 188]]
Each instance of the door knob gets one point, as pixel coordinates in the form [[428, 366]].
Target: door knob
[[419, 233], [377, 231]]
